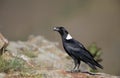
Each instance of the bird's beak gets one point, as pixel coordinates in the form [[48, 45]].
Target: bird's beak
[[56, 29]]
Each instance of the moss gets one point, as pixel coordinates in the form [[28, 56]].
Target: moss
[[30, 54], [11, 65], [3, 64], [28, 75]]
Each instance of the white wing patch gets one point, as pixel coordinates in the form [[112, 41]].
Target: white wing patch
[[68, 37]]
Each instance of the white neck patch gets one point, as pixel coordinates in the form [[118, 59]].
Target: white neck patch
[[68, 37]]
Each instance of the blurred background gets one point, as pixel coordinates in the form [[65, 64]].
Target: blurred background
[[87, 21]]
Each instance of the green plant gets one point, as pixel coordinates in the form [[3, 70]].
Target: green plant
[[11, 65], [16, 64], [29, 53], [96, 52], [3, 64], [29, 75]]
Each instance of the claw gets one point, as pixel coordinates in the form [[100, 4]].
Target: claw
[[75, 71]]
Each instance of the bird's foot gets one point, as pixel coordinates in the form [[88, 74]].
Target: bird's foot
[[75, 71], [90, 73]]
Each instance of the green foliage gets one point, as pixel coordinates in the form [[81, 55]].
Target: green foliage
[[29, 53], [96, 52], [11, 65], [29, 75], [3, 64], [16, 65]]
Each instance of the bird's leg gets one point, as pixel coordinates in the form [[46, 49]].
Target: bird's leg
[[75, 63], [78, 65], [75, 66]]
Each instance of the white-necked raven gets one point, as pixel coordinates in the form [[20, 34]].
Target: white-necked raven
[[76, 50]]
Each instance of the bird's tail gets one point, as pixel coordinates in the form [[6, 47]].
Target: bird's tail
[[92, 66], [97, 64]]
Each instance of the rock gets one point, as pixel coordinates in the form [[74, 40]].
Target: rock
[[2, 75], [44, 60], [3, 44]]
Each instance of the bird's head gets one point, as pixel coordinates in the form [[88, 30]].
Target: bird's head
[[63, 32]]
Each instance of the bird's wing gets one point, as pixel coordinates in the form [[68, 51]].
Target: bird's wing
[[79, 51], [83, 50], [73, 47]]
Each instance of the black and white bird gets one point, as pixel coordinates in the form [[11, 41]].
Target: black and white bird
[[76, 50]]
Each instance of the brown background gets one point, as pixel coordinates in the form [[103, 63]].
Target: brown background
[[87, 20]]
